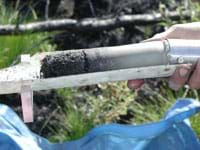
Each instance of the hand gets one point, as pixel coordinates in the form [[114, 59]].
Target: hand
[[182, 75]]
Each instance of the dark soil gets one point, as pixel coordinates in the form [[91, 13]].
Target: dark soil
[[103, 8], [76, 62], [89, 8], [64, 64]]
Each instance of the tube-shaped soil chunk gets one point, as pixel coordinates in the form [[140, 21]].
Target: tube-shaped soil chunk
[[63, 64]]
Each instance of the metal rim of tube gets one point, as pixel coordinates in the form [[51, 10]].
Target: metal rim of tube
[[171, 58], [182, 51]]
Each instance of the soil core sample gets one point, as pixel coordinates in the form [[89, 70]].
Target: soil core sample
[[74, 62], [63, 64]]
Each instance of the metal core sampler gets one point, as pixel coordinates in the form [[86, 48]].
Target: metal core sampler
[[60, 69]]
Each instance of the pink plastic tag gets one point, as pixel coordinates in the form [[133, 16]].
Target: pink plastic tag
[[27, 103]]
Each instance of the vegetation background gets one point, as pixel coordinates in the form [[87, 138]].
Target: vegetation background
[[67, 114]]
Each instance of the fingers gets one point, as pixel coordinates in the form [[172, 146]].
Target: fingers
[[170, 33], [158, 37], [180, 77], [194, 81], [179, 31], [135, 84]]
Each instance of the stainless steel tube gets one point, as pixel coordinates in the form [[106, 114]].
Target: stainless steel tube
[[127, 56], [172, 51], [105, 59]]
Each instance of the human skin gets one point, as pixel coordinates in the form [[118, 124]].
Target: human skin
[[185, 74]]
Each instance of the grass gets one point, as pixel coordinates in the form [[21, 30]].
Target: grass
[[73, 127], [75, 123], [83, 109], [13, 45]]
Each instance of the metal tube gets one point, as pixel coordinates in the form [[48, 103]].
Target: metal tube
[[172, 51], [105, 59], [136, 61], [127, 56]]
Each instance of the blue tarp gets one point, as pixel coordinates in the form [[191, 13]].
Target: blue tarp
[[173, 132]]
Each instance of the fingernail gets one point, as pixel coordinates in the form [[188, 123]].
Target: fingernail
[[173, 85], [183, 72]]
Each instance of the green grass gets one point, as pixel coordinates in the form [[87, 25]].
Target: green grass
[[83, 109], [73, 127], [12, 46], [8, 15], [75, 123]]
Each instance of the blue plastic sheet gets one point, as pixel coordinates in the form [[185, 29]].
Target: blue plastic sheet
[[173, 132]]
